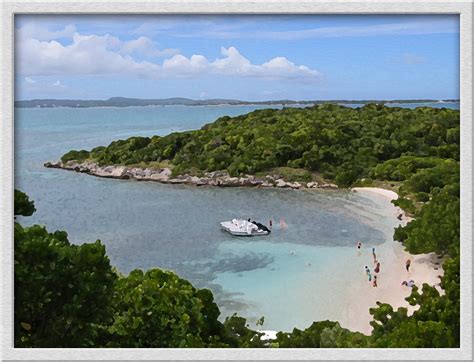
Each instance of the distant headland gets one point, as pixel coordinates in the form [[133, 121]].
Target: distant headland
[[130, 102]]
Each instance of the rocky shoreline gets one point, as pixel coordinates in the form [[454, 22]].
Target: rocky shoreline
[[216, 178]]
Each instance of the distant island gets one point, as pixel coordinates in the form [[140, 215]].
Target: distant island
[[130, 102]]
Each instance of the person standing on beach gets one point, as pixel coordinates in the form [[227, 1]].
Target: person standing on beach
[[270, 223], [373, 254], [407, 265], [377, 268], [374, 284], [367, 270]]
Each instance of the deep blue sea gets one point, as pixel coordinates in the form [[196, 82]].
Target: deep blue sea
[[292, 277]]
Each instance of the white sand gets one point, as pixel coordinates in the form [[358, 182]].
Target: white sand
[[392, 272]]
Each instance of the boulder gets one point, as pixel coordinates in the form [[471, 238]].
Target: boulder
[[215, 174], [231, 181], [202, 182], [281, 183], [158, 176], [295, 185], [53, 164], [328, 186], [165, 172], [255, 182], [193, 180]]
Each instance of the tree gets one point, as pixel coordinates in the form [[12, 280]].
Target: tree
[[62, 291], [23, 205], [156, 309]]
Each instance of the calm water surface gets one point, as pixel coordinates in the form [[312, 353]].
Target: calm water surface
[[292, 277]]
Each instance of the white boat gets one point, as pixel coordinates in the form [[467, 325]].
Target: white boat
[[240, 227]]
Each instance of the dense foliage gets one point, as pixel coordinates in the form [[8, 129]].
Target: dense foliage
[[23, 205], [341, 143], [59, 286], [158, 309], [62, 290]]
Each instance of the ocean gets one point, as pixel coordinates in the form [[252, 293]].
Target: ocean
[[292, 277]]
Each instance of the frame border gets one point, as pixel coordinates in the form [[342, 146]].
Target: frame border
[[10, 8]]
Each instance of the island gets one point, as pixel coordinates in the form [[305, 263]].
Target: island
[[180, 101]]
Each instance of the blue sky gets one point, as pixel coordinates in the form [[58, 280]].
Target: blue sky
[[304, 57]]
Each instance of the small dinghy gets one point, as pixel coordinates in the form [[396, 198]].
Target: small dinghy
[[240, 227]]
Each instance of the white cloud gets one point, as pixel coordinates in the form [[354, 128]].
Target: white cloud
[[33, 30], [29, 80], [235, 64], [145, 46], [87, 54], [103, 55]]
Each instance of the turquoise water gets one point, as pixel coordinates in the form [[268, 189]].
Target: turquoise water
[[292, 277]]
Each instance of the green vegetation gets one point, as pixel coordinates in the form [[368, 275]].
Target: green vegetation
[[340, 143], [415, 152], [62, 291], [23, 205]]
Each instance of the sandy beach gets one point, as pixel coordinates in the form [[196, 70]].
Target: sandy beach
[[425, 268]]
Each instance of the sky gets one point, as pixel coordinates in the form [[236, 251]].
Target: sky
[[251, 57]]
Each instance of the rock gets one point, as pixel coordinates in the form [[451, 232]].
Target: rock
[[182, 177], [280, 183], [294, 185], [202, 182], [215, 174], [158, 176], [194, 180], [231, 181], [328, 186], [175, 181], [148, 172], [53, 164], [256, 182], [215, 178], [165, 172]]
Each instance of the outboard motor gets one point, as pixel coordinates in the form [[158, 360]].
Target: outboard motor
[[261, 226]]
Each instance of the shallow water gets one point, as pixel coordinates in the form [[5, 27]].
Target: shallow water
[[292, 277]]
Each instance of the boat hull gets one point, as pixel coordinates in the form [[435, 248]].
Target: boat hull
[[232, 229]]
